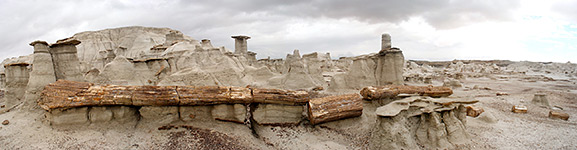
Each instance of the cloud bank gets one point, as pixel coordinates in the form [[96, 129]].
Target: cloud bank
[[431, 30]]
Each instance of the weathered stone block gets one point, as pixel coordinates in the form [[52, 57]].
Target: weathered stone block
[[195, 113], [99, 114], [124, 113], [274, 114], [159, 114], [72, 116], [519, 109], [233, 113], [474, 111], [558, 115], [203, 95]]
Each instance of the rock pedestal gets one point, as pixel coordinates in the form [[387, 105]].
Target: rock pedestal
[[17, 76], [240, 46], [541, 99], [42, 72], [390, 63], [66, 63]]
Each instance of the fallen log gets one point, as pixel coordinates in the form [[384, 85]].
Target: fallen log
[[203, 95], [332, 108], [279, 96], [392, 91], [61, 94], [67, 94]]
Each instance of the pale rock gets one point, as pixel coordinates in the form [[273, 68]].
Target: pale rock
[[232, 113], [159, 114], [195, 113], [274, 114], [519, 109]]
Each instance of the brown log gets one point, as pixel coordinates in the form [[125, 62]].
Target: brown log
[[203, 95], [391, 91], [279, 96], [332, 108], [61, 93]]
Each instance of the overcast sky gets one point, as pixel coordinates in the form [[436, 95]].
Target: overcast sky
[[535, 30]]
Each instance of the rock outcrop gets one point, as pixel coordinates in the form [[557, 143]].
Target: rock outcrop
[[42, 72], [17, 75], [415, 123]]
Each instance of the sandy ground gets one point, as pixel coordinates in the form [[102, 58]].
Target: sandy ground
[[533, 130]]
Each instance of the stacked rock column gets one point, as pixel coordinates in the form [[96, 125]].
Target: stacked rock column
[[42, 71], [390, 63], [66, 63]]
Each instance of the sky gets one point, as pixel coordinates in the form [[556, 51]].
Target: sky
[[532, 30]]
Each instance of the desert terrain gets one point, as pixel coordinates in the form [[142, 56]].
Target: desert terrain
[[160, 57]]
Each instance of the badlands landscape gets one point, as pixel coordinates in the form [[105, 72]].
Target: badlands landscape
[[156, 88]]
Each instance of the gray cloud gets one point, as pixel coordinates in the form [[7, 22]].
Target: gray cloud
[[270, 22]]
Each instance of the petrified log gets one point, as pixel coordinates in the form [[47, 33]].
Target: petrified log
[[391, 91], [203, 95], [62, 94], [332, 108], [279, 96], [67, 94]]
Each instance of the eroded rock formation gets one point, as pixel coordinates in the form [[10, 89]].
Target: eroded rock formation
[[416, 123]]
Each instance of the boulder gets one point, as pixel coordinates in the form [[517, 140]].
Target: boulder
[[519, 109], [558, 115], [474, 111], [276, 114], [541, 99]]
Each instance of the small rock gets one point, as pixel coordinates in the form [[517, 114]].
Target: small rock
[[318, 88], [474, 111], [5, 122], [2, 106], [502, 93], [519, 109], [558, 115]]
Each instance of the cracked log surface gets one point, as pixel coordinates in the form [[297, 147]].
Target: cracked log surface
[[391, 91], [68, 94], [332, 108]]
